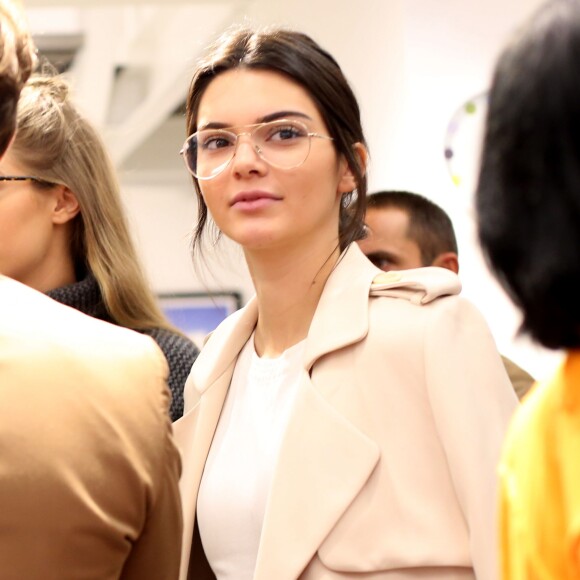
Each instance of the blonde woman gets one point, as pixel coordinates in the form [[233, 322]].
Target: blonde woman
[[64, 231]]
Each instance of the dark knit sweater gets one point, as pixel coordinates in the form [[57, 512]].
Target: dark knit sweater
[[179, 351]]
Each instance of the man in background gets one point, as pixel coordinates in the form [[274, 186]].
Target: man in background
[[88, 470], [406, 230]]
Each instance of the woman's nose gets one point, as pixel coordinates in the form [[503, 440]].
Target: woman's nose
[[247, 156]]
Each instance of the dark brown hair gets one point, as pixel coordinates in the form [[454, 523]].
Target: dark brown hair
[[302, 60], [528, 195]]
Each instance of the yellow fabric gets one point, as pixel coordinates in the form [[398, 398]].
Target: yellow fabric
[[540, 482]]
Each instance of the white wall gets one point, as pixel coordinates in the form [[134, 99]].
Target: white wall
[[412, 63]]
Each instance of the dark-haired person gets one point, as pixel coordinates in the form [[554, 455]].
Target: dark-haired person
[[406, 230], [528, 203], [329, 429], [88, 469]]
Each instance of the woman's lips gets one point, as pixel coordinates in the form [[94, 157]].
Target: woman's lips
[[254, 200]]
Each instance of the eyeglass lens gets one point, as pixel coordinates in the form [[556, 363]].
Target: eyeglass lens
[[284, 144]]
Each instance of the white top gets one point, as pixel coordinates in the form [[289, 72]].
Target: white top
[[238, 472]]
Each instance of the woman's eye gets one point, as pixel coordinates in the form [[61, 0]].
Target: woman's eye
[[216, 142], [285, 133]]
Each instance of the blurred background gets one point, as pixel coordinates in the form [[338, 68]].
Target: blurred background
[[420, 69]]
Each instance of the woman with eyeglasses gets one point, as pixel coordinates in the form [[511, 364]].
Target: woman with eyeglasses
[[63, 229], [346, 422]]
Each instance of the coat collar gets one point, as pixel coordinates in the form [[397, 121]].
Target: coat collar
[[327, 331], [220, 351], [352, 281], [323, 462], [332, 328], [342, 317], [349, 285]]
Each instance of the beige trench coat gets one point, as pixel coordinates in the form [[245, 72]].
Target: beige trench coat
[[388, 466]]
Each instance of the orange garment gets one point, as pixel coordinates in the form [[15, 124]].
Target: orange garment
[[540, 482]]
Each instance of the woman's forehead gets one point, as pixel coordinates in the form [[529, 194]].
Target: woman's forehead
[[244, 96]]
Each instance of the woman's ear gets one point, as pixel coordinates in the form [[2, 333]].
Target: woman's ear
[[66, 205], [347, 181]]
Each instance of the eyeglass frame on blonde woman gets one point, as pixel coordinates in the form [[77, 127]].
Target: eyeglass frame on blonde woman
[[36, 180], [215, 133], [21, 178]]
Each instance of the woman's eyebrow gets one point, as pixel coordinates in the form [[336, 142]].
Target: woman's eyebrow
[[265, 119], [282, 115]]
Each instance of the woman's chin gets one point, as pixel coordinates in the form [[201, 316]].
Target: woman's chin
[[256, 238]]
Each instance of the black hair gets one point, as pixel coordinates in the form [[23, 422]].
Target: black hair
[[528, 195]]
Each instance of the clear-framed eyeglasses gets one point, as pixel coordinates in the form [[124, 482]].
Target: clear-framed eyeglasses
[[284, 143]]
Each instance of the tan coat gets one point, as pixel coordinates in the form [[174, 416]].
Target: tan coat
[[520, 379], [88, 469], [387, 468]]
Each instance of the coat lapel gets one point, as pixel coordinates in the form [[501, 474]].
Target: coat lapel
[[341, 316], [324, 460], [323, 463]]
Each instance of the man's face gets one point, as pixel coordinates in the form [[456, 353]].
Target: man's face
[[387, 245]]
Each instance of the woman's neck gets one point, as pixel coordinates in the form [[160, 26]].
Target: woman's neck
[[288, 285], [57, 268]]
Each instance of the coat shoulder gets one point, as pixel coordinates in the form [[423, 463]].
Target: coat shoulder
[[418, 286]]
